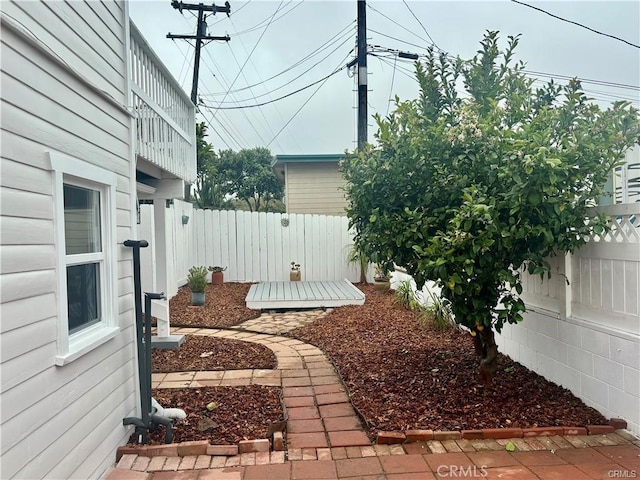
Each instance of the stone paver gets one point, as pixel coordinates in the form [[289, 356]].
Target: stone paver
[[326, 438]]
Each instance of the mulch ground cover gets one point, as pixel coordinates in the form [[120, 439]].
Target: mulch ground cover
[[224, 307], [400, 375], [403, 376], [210, 353], [237, 413]]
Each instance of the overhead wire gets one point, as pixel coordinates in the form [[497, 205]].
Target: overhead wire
[[266, 122], [239, 107], [254, 48], [255, 98], [576, 23], [310, 97], [421, 24], [261, 24], [339, 36]]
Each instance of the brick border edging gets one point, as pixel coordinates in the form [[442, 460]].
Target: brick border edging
[[408, 436], [198, 447]]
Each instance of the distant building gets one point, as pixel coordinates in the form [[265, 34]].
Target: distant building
[[313, 183]]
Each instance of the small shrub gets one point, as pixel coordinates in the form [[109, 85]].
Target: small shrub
[[438, 313], [197, 279], [404, 295]]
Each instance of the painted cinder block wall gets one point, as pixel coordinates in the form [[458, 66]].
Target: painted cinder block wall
[[599, 365]]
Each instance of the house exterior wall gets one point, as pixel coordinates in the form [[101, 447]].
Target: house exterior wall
[[314, 188], [63, 91]]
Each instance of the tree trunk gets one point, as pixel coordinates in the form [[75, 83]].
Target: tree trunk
[[485, 346]]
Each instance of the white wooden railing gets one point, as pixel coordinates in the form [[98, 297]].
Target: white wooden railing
[[165, 133]]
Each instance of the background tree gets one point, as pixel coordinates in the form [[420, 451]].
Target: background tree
[[211, 188], [251, 178], [469, 191]]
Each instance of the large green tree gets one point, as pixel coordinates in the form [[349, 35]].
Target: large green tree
[[468, 190], [251, 178], [212, 187]]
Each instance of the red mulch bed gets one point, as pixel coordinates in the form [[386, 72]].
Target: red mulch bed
[[210, 353], [240, 413], [402, 376], [224, 307]]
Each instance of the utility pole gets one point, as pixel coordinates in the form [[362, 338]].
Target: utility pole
[[362, 73], [201, 34]]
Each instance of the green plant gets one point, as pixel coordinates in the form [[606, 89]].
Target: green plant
[[197, 279], [359, 258], [404, 295], [217, 269], [439, 312], [468, 192]]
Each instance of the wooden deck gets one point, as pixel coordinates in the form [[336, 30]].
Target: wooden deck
[[269, 295]]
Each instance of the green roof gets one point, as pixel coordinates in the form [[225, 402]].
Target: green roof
[[326, 157]]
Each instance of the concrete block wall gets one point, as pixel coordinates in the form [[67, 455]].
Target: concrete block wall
[[598, 364]]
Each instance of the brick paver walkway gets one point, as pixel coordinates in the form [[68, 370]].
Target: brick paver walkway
[[326, 440]]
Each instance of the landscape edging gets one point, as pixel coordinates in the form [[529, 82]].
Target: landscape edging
[[409, 436]]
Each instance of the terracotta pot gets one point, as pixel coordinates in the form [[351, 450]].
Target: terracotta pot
[[295, 275], [217, 278]]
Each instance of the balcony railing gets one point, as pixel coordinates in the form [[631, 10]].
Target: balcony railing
[[165, 133]]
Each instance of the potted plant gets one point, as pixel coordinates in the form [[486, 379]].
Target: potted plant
[[381, 279], [197, 280], [295, 275], [217, 277]]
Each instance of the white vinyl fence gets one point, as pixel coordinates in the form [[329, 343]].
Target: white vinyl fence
[[253, 246], [585, 335]]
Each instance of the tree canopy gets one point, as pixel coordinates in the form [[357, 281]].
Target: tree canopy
[[469, 189], [228, 177]]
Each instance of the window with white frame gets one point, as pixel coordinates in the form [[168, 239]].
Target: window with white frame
[[84, 197]]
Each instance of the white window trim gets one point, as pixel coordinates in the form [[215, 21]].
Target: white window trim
[[67, 168]]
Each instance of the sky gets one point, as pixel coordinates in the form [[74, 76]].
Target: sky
[[279, 47]]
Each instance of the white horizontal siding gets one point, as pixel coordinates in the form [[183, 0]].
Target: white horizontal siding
[[24, 312], [27, 258], [28, 338], [60, 422], [315, 188], [70, 38], [17, 203], [66, 414]]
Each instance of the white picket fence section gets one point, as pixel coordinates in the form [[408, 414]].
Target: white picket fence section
[[604, 276], [253, 246]]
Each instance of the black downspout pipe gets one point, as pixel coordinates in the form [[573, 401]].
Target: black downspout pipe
[[149, 419]]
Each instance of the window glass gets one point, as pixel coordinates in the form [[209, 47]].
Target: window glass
[[81, 220], [83, 287]]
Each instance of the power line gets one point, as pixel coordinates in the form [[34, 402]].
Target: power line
[[576, 23], [393, 77], [238, 107], [339, 36], [398, 24], [397, 39], [309, 99], [252, 50], [418, 20], [261, 24], [255, 98]]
